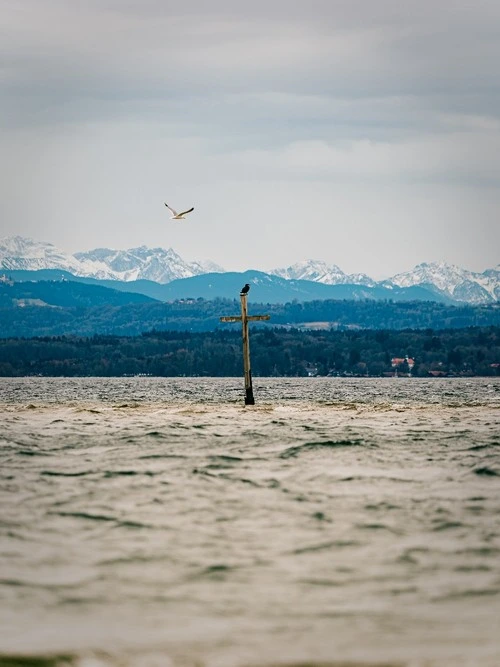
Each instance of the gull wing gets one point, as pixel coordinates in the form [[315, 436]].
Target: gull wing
[[171, 209], [188, 211]]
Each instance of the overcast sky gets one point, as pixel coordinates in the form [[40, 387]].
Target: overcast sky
[[364, 133]]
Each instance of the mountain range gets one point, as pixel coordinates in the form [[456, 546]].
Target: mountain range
[[156, 264], [162, 273]]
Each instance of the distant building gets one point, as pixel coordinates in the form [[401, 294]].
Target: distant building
[[7, 281], [437, 374], [399, 361], [311, 370]]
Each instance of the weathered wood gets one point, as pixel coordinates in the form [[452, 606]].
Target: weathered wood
[[249, 399], [250, 318], [244, 318]]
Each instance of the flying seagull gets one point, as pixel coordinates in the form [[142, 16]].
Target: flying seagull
[[178, 216], [244, 290]]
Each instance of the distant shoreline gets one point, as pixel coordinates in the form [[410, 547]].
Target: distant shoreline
[[469, 352]]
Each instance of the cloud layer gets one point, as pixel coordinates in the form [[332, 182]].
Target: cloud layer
[[316, 127]]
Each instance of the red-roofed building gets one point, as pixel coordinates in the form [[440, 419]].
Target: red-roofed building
[[399, 361]]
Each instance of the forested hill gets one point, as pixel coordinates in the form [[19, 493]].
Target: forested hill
[[269, 288], [65, 294], [37, 310], [274, 352]]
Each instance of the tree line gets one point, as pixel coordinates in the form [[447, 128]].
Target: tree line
[[131, 319], [274, 352]]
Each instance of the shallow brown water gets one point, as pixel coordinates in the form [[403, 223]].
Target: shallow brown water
[[158, 521]]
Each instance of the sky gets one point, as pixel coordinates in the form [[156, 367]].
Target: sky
[[363, 133]]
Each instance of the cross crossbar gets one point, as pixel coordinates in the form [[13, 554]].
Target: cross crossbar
[[250, 318], [244, 318]]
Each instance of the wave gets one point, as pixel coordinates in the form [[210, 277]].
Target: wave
[[292, 452], [87, 515], [472, 592], [378, 526], [58, 473], [448, 525], [120, 523], [225, 458], [324, 546], [16, 660], [161, 456], [128, 473], [487, 472], [478, 448]]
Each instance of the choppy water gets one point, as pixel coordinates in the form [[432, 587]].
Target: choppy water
[[148, 522]]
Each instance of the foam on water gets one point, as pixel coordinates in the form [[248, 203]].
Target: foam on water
[[150, 521]]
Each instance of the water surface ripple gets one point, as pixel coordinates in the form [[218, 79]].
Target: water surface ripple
[[157, 521]]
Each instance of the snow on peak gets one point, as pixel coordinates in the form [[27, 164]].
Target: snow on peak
[[460, 284], [17, 252], [157, 264], [163, 265], [321, 272], [206, 266], [308, 269]]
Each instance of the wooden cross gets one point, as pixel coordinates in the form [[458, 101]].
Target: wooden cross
[[245, 319]]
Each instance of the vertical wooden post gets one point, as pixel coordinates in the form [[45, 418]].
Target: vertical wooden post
[[249, 399], [245, 318]]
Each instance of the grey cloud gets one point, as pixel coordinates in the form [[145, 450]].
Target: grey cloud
[[381, 114], [97, 53]]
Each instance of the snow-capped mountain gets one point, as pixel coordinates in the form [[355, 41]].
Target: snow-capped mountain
[[25, 254], [320, 272], [457, 283], [165, 265], [156, 264]]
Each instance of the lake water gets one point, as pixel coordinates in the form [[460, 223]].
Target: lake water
[[152, 522]]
